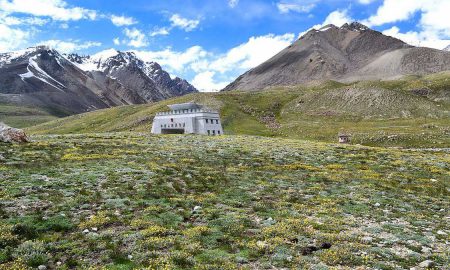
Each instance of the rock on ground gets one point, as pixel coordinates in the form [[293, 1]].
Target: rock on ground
[[9, 134], [426, 264]]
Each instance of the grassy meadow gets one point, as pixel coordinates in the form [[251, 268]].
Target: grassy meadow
[[20, 116], [136, 201], [411, 112], [97, 191]]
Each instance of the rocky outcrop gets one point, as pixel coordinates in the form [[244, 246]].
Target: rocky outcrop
[[10, 135]]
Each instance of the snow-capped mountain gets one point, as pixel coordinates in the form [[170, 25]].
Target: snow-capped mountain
[[68, 84], [447, 48], [132, 72]]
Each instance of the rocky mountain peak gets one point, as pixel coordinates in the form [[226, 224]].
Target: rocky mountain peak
[[447, 48], [327, 27], [10, 57], [348, 53], [126, 57], [75, 58], [331, 28], [355, 26], [154, 65]]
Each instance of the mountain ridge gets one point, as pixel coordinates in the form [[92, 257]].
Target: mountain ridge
[[348, 53], [41, 76]]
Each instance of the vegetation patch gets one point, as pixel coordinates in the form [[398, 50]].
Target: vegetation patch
[[232, 202]]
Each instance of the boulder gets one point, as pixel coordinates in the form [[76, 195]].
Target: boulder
[[9, 134], [426, 264]]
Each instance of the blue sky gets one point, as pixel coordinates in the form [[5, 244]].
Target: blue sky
[[208, 42]]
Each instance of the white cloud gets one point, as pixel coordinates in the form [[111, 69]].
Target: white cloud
[[233, 3], [116, 41], [11, 38], [163, 31], [296, 6], [337, 17], [176, 22], [423, 39], [9, 20], [172, 60], [394, 11], [212, 71], [433, 26], [434, 13], [56, 9], [366, 2], [122, 20], [183, 23], [70, 46], [137, 39], [205, 81], [252, 53]]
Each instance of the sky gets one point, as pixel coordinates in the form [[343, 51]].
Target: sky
[[208, 42]]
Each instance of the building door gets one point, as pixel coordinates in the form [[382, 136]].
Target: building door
[[172, 131]]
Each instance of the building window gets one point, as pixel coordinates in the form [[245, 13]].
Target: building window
[[217, 121], [209, 132], [214, 132], [184, 124], [171, 119], [218, 132], [206, 121]]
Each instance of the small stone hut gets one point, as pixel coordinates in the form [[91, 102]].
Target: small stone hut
[[344, 137]]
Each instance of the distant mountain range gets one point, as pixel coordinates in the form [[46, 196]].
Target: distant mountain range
[[352, 52], [69, 84]]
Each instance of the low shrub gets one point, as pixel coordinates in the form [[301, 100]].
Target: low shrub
[[33, 253]]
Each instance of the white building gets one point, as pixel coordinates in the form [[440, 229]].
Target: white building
[[187, 118]]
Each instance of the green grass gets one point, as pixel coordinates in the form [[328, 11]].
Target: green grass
[[233, 202], [383, 113], [19, 116]]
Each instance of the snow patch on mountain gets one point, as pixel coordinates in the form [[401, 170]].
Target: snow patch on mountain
[[7, 58], [41, 74], [110, 61]]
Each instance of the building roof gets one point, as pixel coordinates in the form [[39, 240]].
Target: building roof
[[185, 106]]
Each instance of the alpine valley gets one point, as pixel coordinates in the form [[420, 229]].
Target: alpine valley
[[334, 153]]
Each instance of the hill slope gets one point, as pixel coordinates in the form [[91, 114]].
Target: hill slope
[[352, 52], [412, 111]]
